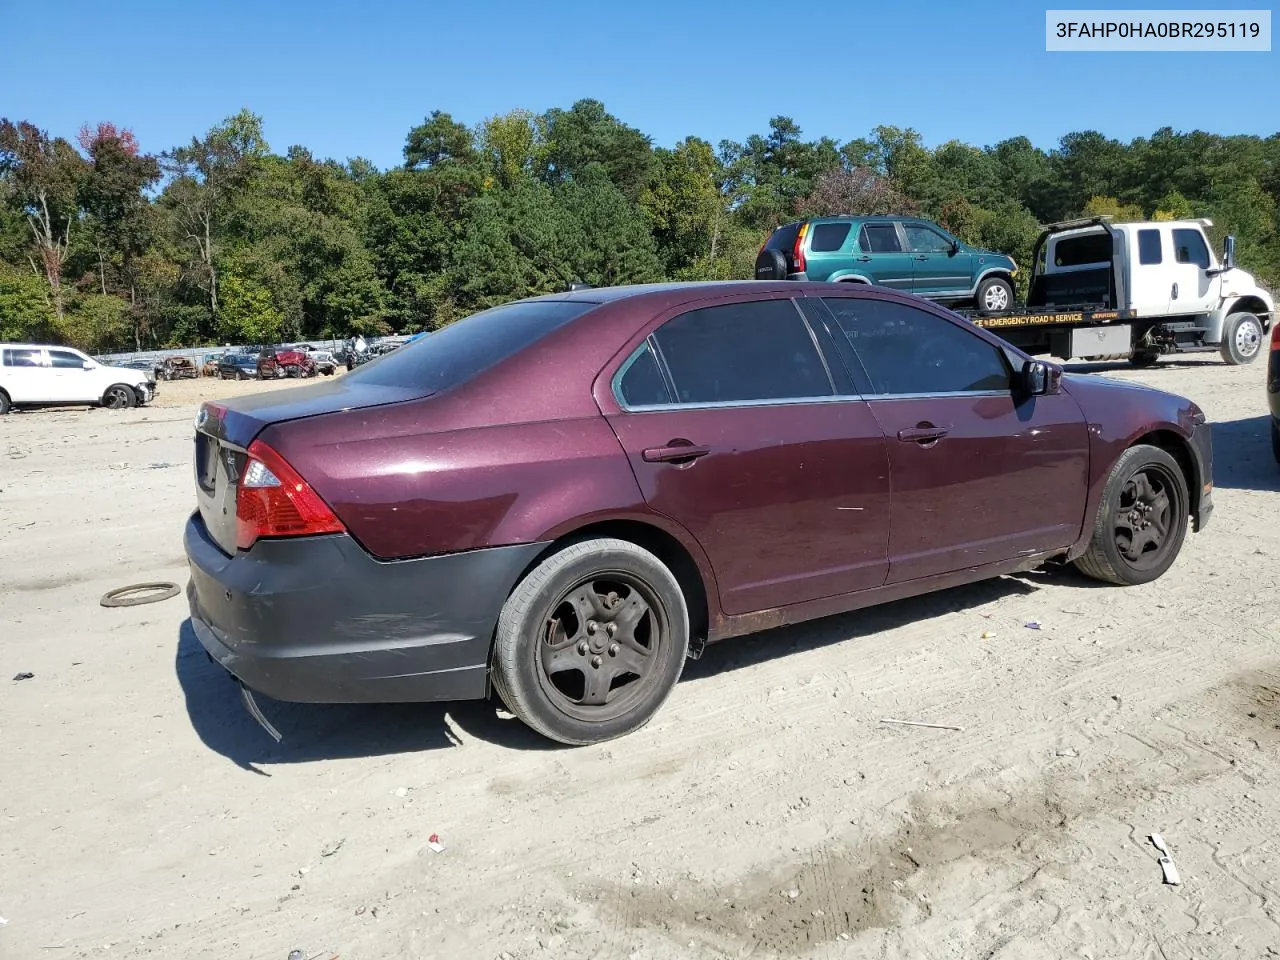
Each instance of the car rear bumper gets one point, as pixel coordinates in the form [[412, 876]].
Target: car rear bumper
[[318, 620]]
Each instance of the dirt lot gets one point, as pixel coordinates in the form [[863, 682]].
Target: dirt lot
[[765, 812]]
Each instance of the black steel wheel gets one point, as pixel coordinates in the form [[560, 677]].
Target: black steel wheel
[[1142, 520], [119, 396], [590, 644]]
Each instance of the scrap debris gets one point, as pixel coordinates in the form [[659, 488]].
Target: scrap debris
[[921, 723], [1167, 865], [23, 676]]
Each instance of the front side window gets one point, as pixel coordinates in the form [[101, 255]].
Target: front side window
[[1189, 247], [65, 360], [742, 352], [879, 238], [922, 239], [906, 351]]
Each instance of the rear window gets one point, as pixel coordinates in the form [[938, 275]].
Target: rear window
[[20, 357], [828, 237], [784, 238], [458, 352], [1075, 251], [1149, 251]]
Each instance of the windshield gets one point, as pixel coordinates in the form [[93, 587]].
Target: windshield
[[458, 352]]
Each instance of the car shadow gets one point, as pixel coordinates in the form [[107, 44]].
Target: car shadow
[[1242, 457], [327, 731], [758, 648], [1192, 361]]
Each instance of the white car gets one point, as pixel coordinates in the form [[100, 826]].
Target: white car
[[33, 374]]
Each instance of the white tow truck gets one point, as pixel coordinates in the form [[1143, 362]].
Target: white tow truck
[[1100, 289]]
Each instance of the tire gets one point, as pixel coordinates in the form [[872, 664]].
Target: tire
[[6, 405], [292, 371], [241, 375], [1275, 431], [1143, 358], [995, 295], [119, 396], [1242, 337], [771, 265], [541, 628], [1110, 557]]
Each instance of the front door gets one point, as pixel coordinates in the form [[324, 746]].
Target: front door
[[1192, 290], [735, 429], [938, 269], [880, 257], [73, 383], [980, 473]]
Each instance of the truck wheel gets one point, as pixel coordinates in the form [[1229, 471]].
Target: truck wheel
[[1143, 358], [995, 295], [1141, 521], [591, 642], [1241, 339]]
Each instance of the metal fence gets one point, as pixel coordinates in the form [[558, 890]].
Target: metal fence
[[200, 355]]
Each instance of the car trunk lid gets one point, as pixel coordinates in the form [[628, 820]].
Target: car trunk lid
[[225, 430]]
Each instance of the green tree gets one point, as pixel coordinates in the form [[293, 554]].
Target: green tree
[[26, 308], [248, 314], [438, 139], [587, 134]]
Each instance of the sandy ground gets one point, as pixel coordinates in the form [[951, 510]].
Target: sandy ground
[[765, 812]]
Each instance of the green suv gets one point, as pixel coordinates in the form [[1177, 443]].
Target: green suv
[[904, 253]]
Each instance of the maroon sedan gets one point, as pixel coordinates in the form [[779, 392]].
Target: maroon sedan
[[562, 498]]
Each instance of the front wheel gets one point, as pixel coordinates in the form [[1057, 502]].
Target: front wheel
[[995, 295], [6, 405], [119, 396], [1141, 521], [591, 642], [1241, 339]]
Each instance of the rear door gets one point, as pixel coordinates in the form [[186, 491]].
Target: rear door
[[937, 270], [980, 474], [737, 428], [25, 374], [1151, 271], [881, 258]]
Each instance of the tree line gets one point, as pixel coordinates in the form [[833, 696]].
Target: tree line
[[106, 246]]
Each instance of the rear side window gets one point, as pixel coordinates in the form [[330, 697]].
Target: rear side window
[[784, 238], [65, 360], [1189, 247], [828, 237], [19, 357], [455, 354], [743, 352], [1076, 251], [907, 351], [1149, 247], [879, 238], [641, 383]]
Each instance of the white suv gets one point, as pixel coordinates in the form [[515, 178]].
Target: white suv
[[35, 375]]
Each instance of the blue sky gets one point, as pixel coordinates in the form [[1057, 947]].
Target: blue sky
[[350, 79]]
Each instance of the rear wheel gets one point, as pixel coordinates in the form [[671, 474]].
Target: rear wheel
[[1241, 339], [6, 405], [1141, 521], [591, 642], [995, 295], [1143, 358], [119, 396]]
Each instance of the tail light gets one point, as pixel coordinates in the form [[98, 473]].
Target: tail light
[[797, 252], [272, 500], [1275, 336]]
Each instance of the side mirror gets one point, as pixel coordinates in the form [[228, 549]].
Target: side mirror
[[1228, 253], [87, 365], [955, 247], [1040, 379]]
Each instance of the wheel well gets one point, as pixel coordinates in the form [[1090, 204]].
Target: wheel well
[[1176, 447], [851, 280], [658, 542], [1250, 304]]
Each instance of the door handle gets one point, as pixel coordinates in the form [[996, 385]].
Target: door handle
[[676, 451], [922, 257], [923, 433], [864, 259], [1174, 292]]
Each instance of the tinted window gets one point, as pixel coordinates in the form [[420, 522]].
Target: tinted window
[[784, 238], [879, 238], [642, 383], [922, 239], [22, 358], [67, 361], [463, 349], [1189, 247], [742, 351], [1149, 249], [1090, 248], [828, 237], [908, 351]]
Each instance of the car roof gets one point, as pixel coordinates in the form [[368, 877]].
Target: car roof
[[629, 291]]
